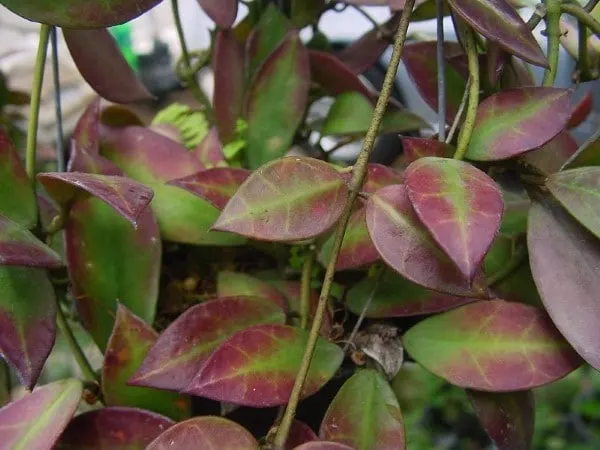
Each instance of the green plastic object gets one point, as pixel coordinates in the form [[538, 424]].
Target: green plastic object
[[124, 36]]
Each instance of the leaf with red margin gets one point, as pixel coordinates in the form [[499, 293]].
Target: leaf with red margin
[[35, 421], [323, 446], [210, 151], [234, 284], [257, 367], [299, 434], [184, 346], [492, 346], [508, 417], [126, 196], [229, 63], [222, 12], [27, 320], [515, 121], [365, 414], [564, 259], [212, 432], [19, 247], [127, 347], [498, 21], [20, 206], [276, 101], [578, 191], [416, 148], [405, 245], [581, 110], [289, 199], [216, 186], [113, 428], [398, 297], [87, 131], [105, 69], [334, 76], [266, 36], [459, 204], [550, 157]]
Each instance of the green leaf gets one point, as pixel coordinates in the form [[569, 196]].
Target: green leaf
[[306, 12]]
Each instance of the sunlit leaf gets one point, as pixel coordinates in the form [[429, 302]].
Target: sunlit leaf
[[184, 346], [459, 204], [551, 156], [415, 148], [507, 417], [19, 247], [222, 12], [515, 121], [257, 367], [35, 421], [365, 414], [307, 204], [268, 34], [113, 428], [333, 76], [492, 346], [211, 432], [232, 284]]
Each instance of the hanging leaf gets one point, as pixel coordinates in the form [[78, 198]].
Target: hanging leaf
[[267, 35], [364, 414], [184, 346], [216, 185], [406, 246], [299, 434], [127, 347], [459, 205], [35, 421], [398, 297], [210, 150], [564, 258], [222, 12], [323, 446], [515, 121], [277, 101], [551, 156], [19, 247], [228, 62], [508, 417], [578, 191], [309, 202], [105, 69], [501, 24], [27, 320], [415, 148], [257, 367], [113, 428], [153, 160], [334, 77], [232, 284], [212, 432], [20, 205], [492, 346], [87, 130]]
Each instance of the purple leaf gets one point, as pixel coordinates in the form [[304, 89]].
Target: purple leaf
[[19, 247], [222, 12]]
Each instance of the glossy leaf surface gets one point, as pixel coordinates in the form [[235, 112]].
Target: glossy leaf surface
[[365, 414], [212, 432], [231, 284], [258, 366], [306, 205], [268, 34], [404, 244], [113, 428], [276, 101], [551, 156], [415, 148], [334, 76], [507, 417], [515, 121], [459, 204], [492, 346], [568, 290], [20, 247], [35, 421], [27, 320], [222, 12], [126, 349], [184, 346], [105, 69]]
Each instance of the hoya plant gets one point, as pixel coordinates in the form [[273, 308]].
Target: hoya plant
[[245, 290]]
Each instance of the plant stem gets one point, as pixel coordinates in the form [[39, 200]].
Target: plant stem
[[538, 15], [441, 78], [307, 267], [459, 113], [583, 60], [60, 138], [468, 40], [36, 94], [553, 36], [582, 16], [358, 176], [589, 7]]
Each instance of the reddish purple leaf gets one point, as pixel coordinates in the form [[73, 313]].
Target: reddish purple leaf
[[228, 62], [19, 247], [306, 205], [564, 258], [85, 161], [459, 204], [379, 176], [211, 432], [334, 76], [415, 148], [498, 21], [87, 130], [181, 349], [113, 428], [507, 417], [581, 110], [492, 346], [105, 69], [552, 155], [216, 186], [404, 244], [222, 12], [323, 446], [257, 367], [210, 150], [35, 421], [299, 434], [232, 284]]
